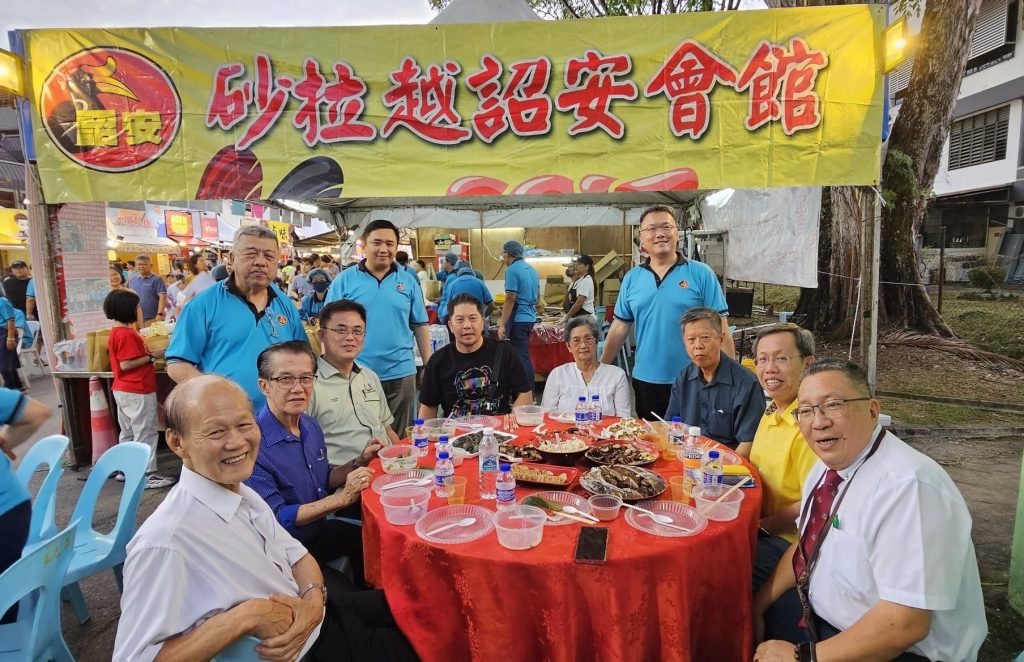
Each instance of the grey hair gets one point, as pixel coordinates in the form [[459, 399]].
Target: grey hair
[[141, 258], [697, 314], [258, 231], [804, 339], [582, 320], [301, 347], [853, 372]]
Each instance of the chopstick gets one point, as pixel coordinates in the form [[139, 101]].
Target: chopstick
[[559, 513], [746, 479]]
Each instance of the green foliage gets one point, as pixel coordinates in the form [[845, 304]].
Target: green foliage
[[900, 180], [987, 276]]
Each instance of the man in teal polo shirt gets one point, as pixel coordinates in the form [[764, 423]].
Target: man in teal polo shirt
[[226, 326], [465, 282], [522, 291], [654, 296], [395, 312]]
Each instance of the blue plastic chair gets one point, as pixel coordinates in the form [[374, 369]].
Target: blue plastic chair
[[48, 451], [95, 551], [242, 650], [34, 582]]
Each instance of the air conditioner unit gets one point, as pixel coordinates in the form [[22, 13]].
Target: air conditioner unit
[[1017, 212]]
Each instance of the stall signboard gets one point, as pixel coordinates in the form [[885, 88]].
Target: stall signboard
[[130, 226], [781, 97], [283, 232], [208, 228], [14, 223], [179, 223]]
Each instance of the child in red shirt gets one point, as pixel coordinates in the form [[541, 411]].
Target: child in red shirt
[[134, 385]]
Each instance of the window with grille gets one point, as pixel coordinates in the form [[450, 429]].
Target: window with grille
[[979, 138], [990, 28]]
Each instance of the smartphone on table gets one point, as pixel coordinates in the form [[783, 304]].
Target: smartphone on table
[[592, 545]]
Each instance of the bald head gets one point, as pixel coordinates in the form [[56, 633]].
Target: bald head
[[193, 396]]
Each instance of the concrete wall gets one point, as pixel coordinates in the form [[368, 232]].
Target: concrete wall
[[986, 175]]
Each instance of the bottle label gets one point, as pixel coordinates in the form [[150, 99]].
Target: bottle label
[[712, 478], [507, 495], [420, 443], [488, 464], [442, 480]]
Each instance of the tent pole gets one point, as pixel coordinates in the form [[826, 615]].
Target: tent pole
[[876, 260]]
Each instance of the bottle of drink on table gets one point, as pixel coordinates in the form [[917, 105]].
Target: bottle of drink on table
[[596, 411], [712, 472], [582, 412], [419, 437], [488, 464], [444, 472], [506, 488], [677, 432], [692, 457], [442, 445]]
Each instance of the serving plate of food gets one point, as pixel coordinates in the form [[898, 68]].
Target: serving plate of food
[[635, 455], [562, 449], [625, 428], [629, 483], [547, 475], [470, 441], [524, 453]]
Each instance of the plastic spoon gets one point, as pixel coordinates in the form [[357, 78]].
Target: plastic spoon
[[464, 522], [408, 482], [576, 511], [660, 519]]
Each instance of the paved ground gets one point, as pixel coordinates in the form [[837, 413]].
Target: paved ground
[[987, 470]]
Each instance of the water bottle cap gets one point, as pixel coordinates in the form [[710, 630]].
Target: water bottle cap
[[713, 455], [443, 455], [488, 430], [583, 398], [677, 419], [418, 421], [594, 397], [443, 439], [506, 467], [695, 431]]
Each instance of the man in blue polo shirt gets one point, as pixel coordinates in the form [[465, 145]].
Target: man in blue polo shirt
[[522, 291], [395, 312], [715, 393], [225, 327], [654, 296], [465, 282], [151, 290]]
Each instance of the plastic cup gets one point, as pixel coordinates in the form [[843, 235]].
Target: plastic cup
[[605, 507], [405, 505], [680, 486], [668, 452], [457, 491], [722, 511], [520, 527]]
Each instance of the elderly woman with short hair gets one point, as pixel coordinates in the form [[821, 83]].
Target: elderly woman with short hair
[[586, 376]]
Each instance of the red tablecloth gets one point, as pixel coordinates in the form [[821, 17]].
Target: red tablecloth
[[547, 349], [655, 598]]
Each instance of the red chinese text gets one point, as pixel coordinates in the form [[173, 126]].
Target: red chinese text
[[522, 105], [424, 103], [686, 78], [773, 71], [591, 85]]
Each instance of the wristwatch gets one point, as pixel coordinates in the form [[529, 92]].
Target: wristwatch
[[804, 652]]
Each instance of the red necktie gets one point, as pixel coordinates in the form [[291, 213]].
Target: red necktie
[[821, 507]]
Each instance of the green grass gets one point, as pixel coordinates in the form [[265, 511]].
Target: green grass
[[997, 325], [914, 412]]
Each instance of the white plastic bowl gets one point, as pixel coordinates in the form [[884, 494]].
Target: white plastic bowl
[[529, 415], [520, 527], [405, 505], [724, 511], [398, 458]]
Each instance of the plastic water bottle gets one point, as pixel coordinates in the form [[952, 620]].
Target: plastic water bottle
[[443, 475], [506, 488], [488, 464], [596, 411], [712, 472], [582, 412], [442, 446], [677, 432], [692, 458], [419, 437]]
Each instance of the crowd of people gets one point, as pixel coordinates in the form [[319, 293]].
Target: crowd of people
[[275, 440]]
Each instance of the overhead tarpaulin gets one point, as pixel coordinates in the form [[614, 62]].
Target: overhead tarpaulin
[[782, 97], [463, 219], [773, 234]]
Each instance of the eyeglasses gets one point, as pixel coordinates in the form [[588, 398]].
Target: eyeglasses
[[582, 340], [781, 362], [288, 381], [655, 229], [830, 409], [344, 331]]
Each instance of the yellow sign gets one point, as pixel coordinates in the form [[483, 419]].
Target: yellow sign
[[785, 97], [14, 223], [283, 231]]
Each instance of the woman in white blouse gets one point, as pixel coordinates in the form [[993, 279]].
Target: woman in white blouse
[[586, 375], [581, 292]]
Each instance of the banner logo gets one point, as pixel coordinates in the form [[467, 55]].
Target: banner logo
[[110, 109]]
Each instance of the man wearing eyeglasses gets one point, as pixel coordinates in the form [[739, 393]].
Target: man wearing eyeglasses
[[714, 392], [779, 451], [225, 327], [654, 296], [395, 311], [884, 568], [292, 473], [348, 399]]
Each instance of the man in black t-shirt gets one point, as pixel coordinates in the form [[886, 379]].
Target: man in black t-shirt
[[16, 285], [474, 375]]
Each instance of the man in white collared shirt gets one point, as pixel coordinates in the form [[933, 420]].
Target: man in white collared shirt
[[885, 545], [212, 565]]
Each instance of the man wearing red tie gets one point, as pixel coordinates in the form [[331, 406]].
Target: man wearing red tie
[[884, 568]]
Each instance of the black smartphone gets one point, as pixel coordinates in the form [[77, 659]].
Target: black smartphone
[[733, 480], [592, 545]]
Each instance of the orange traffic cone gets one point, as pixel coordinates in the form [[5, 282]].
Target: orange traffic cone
[[101, 422]]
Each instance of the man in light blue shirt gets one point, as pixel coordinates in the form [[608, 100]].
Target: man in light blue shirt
[[395, 312], [464, 282], [654, 297], [151, 290], [226, 326], [522, 291]]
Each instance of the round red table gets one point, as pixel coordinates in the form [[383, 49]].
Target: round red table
[[655, 598]]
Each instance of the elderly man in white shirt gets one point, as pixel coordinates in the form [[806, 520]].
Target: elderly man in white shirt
[[884, 564], [586, 375], [212, 565]]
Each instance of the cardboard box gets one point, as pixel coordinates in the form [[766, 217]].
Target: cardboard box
[[432, 289], [612, 284], [609, 298], [607, 266]]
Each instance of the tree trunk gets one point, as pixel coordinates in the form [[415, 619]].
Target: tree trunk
[[915, 147]]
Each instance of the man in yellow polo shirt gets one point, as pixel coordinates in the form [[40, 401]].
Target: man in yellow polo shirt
[[783, 458]]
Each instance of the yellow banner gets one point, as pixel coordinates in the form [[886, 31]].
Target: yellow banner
[[786, 97], [283, 231]]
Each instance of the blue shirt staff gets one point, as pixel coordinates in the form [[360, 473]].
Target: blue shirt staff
[[522, 291], [313, 303], [226, 326]]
